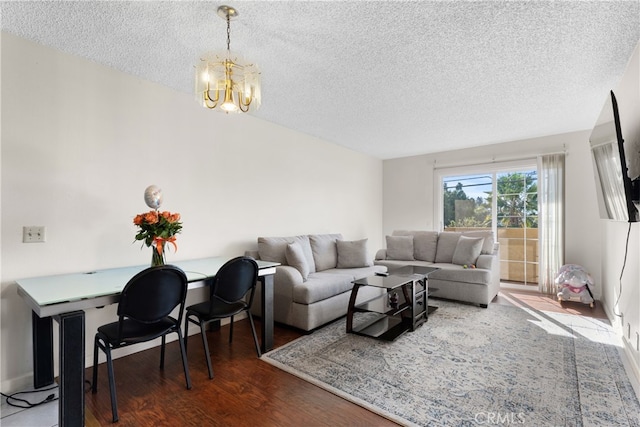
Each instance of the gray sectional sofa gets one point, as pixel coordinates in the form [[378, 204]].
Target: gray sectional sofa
[[312, 285], [469, 262]]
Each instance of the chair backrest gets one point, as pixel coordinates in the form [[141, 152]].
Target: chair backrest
[[234, 279], [153, 294]]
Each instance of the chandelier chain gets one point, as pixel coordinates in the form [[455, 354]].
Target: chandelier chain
[[228, 32]]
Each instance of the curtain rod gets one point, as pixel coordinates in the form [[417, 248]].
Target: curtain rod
[[493, 160]]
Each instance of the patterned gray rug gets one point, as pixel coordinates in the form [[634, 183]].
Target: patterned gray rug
[[472, 366]]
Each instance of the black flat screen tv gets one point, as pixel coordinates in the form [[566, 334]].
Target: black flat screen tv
[[615, 190]]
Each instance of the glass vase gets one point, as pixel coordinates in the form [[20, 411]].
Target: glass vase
[[157, 258]]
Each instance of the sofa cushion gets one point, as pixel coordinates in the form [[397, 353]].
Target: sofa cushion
[[457, 273], [467, 250], [358, 273], [320, 286], [273, 249], [400, 248], [352, 254], [295, 258], [487, 235], [323, 248], [447, 242], [424, 243]]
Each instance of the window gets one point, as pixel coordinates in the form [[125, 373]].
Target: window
[[468, 203]]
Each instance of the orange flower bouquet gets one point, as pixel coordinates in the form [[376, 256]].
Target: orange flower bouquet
[[157, 229]]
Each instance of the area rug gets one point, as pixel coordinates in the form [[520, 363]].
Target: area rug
[[472, 366]]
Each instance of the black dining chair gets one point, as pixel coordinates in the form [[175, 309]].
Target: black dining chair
[[228, 291], [146, 303]]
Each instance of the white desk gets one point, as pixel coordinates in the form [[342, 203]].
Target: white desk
[[64, 297]]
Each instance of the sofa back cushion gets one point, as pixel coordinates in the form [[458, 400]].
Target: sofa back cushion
[[424, 243], [324, 250], [273, 249], [447, 242], [400, 248], [467, 250], [352, 254]]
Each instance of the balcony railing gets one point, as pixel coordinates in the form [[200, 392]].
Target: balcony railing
[[518, 253]]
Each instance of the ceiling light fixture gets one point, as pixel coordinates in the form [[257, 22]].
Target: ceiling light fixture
[[226, 81]]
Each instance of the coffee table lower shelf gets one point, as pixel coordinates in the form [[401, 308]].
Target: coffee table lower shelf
[[382, 327]]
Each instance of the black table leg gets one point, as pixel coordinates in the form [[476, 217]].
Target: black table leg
[[351, 306], [42, 335], [71, 404], [266, 306]]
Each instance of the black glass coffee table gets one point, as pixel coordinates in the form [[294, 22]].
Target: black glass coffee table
[[402, 307]]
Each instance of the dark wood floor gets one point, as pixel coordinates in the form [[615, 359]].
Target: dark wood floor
[[245, 390]]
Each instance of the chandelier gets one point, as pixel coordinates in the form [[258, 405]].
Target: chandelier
[[225, 81]]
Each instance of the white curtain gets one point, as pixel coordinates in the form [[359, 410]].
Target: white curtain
[[550, 219], [607, 160]]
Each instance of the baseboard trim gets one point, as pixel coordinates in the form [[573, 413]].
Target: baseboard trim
[[13, 385], [627, 352]]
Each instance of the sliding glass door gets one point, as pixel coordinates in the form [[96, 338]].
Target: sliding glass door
[[468, 203]]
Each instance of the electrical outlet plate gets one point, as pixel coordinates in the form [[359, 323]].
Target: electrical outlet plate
[[33, 234]]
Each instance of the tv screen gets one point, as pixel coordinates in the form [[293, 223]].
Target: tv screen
[[613, 185]]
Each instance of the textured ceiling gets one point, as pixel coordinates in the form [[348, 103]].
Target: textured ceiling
[[385, 78]]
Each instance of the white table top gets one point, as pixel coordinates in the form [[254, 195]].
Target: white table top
[[62, 293]]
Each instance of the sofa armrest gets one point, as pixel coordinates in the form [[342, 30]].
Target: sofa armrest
[[286, 278], [381, 254], [485, 261], [490, 261]]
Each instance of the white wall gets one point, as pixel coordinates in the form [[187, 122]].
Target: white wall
[[81, 142]]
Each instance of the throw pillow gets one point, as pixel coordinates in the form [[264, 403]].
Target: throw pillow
[[467, 250], [295, 258], [352, 254], [487, 246], [400, 248]]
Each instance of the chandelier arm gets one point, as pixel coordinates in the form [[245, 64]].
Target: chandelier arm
[[207, 98], [242, 98], [242, 104]]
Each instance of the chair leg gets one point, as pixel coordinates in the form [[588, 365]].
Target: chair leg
[[94, 383], [112, 384], [255, 336], [207, 355], [231, 330], [183, 353], [162, 352], [186, 333]]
